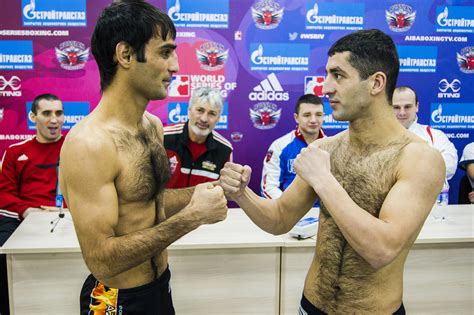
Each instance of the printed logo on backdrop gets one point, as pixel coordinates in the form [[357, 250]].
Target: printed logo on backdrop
[[238, 35], [334, 16], [267, 14], [455, 19], [212, 56], [449, 89], [179, 86], [452, 115], [269, 89], [202, 13], [178, 113], [314, 85], [213, 81], [265, 115], [417, 58], [185, 34], [465, 59], [10, 87], [279, 57], [329, 122], [54, 13], [72, 55], [16, 55], [236, 136], [73, 113], [400, 17]]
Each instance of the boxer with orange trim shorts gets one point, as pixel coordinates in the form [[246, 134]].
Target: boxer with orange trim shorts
[[114, 169]]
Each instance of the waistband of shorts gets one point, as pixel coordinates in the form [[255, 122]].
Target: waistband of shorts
[[309, 307], [161, 282]]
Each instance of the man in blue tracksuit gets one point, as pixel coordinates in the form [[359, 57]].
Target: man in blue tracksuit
[[278, 172]]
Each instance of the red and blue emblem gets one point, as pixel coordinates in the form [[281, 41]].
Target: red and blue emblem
[[265, 115], [72, 55], [267, 14], [212, 56], [465, 59], [400, 17]]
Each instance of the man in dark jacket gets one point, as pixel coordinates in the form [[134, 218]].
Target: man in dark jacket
[[196, 152]]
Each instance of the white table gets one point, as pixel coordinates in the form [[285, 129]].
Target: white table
[[234, 268], [231, 267]]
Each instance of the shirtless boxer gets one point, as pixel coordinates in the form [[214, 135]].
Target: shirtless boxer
[[114, 169], [377, 183]]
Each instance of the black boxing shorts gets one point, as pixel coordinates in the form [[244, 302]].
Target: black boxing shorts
[[306, 308], [153, 298]]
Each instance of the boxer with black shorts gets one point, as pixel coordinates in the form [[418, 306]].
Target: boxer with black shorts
[[376, 181], [114, 169]]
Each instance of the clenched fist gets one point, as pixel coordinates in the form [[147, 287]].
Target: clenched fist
[[209, 203], [313, 165], [234, 178]]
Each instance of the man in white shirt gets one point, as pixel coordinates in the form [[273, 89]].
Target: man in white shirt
[[405, 106]]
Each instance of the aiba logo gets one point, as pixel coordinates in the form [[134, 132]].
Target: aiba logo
[[449, 89], [466, 59], [314, 85], [179, 86], [72, 55], [267, 14], [236, 136], [400, 17], [265, 115], [11, 87], [269, 89], [212, 56]]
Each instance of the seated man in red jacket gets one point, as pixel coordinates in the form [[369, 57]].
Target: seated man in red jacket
[[196, 152], [28, 179]]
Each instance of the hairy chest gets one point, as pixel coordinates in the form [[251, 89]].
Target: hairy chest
[[144, 168]]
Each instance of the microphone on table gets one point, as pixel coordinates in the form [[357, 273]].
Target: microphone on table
[[59, 201]]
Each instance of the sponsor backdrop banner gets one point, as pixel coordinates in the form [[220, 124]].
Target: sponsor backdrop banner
[[261, 54]]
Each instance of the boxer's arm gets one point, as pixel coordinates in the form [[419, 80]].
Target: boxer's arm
[[276, 216], [176, 199]]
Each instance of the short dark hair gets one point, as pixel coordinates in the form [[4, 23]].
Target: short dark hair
[[134, 22], [371, 51], [39, 98], [406, 87], [307, 98]]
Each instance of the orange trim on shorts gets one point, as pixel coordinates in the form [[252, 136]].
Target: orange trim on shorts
[[103, 300]]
